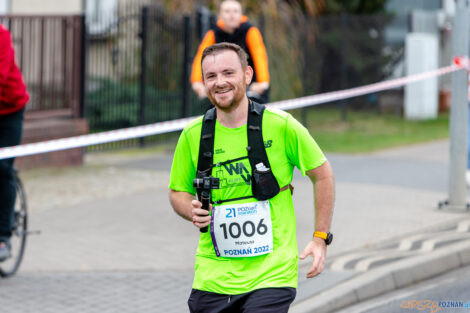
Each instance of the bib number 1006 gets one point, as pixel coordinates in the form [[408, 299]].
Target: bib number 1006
[[248, 228]]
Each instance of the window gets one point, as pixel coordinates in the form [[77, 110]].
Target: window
[[100, 15], [4, 7]]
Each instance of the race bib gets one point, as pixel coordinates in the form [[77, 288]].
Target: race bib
[[242, 230]]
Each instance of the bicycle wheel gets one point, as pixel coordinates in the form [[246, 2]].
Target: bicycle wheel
[[19, 232]]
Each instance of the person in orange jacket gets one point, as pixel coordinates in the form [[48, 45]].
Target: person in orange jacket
[[232, 26]]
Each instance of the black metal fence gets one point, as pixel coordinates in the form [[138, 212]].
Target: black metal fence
[[347, 52], [50, 55], [138, 71], [311, 55]]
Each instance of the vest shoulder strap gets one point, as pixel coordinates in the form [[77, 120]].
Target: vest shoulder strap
[[206, 144], [256, 149]]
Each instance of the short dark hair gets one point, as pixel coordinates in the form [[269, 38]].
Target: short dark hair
[[218, 47], [223, 1]]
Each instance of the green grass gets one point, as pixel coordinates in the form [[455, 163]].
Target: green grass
[[369, 131]]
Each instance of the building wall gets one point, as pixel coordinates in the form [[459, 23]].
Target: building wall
[[47, 6]]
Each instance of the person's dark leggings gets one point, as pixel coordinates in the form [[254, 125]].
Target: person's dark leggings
[[10, 135], [267, 300]]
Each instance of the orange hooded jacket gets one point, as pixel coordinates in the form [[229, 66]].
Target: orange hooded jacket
[[248, 37]]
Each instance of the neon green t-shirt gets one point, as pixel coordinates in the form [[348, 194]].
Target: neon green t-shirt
[[287, 144]]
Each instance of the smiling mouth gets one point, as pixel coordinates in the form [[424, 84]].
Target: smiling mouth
[[223, 91]]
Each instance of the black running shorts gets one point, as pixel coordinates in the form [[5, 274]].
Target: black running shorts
[[267, 300]]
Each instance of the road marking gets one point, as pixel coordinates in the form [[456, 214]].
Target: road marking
[[340, 263], [427, 241], [464, 226], [397, 295], [366, 264]]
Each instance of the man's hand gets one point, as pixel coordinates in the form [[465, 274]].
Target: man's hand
[[201, 217], [317, 249], [199, 89], [259, 88]]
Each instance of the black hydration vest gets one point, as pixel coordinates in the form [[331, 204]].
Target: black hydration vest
[[238, 37], [263, 182]]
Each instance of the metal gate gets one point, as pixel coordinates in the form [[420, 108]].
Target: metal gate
[[138, 71]]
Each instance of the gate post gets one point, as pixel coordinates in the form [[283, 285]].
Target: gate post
[[186, 110], [143, 69], [459, 113], [83, 59]]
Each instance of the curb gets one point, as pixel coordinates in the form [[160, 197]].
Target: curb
[[388, 278]]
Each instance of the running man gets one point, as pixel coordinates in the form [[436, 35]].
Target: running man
[[248, 260]]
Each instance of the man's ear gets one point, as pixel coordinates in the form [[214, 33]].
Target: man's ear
[[248, 74]]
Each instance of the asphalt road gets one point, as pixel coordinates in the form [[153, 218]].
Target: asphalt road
[[444, 292], [376, 168]]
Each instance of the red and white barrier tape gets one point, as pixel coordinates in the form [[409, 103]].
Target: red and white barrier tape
[[174, 125], [363, 90]]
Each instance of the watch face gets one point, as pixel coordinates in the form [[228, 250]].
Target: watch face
[[329, 238]]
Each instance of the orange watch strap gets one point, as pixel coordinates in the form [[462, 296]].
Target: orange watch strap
[[320, 234]]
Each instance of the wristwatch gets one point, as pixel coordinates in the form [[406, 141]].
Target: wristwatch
[[328, 237]]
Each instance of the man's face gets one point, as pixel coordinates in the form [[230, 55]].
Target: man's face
[[225, 79], [230, 13]]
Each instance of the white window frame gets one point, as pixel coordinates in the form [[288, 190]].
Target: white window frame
[[100, 15], [5, 7]]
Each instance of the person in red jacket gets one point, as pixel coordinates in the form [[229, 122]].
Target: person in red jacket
[[234, 27], [13, 98]]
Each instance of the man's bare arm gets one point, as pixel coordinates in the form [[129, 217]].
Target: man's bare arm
[[323, 184], [324, 188], [199, 89], [181, 203], [259, 88], [186, 206]]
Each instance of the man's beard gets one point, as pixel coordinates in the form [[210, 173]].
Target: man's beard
[[234, 103]]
